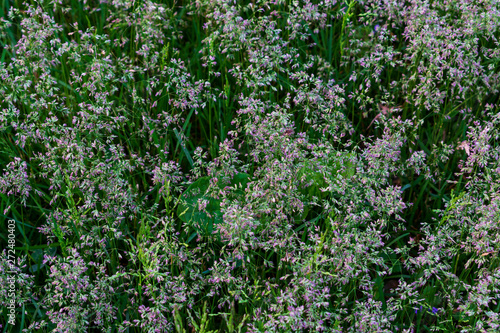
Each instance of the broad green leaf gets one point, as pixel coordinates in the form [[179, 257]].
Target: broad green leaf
[[197, 193]]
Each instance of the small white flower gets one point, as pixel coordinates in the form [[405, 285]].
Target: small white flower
[[464, 145]]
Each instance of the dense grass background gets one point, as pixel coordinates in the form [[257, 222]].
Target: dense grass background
[[251, 166]]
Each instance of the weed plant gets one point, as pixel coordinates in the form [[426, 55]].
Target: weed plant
[[250, 166]]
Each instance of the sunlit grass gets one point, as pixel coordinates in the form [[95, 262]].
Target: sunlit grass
[[250, 166]]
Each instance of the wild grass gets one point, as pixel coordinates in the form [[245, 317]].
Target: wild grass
[[251, 166]]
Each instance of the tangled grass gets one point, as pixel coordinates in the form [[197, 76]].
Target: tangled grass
[[250, 166]]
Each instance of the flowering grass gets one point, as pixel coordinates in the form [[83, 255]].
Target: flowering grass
[[251, 166]]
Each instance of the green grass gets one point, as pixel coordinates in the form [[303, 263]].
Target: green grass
[[130, 99]]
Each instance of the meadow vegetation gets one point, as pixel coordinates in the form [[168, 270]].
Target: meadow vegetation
[[251, 166]]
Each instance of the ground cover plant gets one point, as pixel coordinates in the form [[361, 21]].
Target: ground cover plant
[[250, 166]]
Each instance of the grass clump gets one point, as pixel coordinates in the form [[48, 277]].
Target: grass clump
[[255, 166]]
